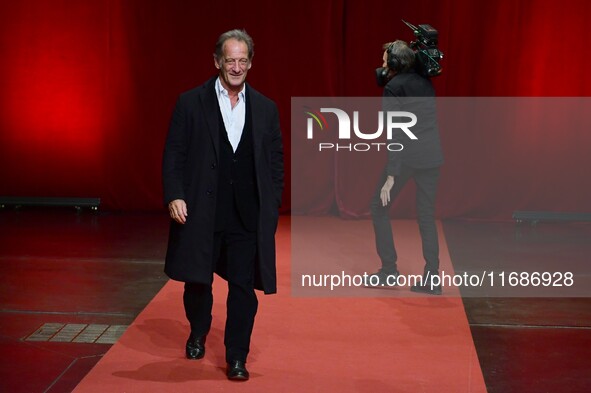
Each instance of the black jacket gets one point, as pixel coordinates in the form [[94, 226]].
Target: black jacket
[[413, 93], [190, 171]]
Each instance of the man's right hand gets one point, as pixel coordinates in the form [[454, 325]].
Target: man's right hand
[[178, 210]]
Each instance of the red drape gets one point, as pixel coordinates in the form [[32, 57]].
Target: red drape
[[87, 89]]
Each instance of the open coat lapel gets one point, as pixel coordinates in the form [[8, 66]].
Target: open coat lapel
[[255, 107], [211, 107]]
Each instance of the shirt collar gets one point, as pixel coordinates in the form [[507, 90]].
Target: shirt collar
[[220, 90]]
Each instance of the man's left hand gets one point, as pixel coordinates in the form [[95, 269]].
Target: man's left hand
[[385, 192]]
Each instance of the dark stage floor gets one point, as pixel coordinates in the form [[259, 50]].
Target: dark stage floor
[[88, 275]]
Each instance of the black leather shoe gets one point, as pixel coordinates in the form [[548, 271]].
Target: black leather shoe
[[382, 278], [237, 371], [427, 286], [195, 348]]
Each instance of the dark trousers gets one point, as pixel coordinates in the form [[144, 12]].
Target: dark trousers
[[238, 248], [426, 182]]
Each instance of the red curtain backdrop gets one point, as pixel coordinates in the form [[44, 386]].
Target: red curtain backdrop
[[87, 89]]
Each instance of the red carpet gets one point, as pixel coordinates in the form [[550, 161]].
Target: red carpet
[[336, 344]]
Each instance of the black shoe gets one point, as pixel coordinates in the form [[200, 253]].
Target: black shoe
[[195, 348], [382, 278], [427, 286], [237, 371]]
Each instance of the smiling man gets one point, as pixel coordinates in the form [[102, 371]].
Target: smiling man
[[223, 179]]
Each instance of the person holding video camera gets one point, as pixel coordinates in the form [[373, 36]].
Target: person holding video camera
[[406, 88]]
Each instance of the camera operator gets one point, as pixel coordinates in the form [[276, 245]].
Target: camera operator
[[420, 159]]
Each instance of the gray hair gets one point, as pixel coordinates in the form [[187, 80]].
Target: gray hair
[[237, 34], [400, 50]]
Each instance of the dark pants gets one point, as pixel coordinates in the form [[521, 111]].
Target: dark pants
[[426, 182], [238, 248]]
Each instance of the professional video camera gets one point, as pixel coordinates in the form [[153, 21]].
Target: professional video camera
[[425, 47]]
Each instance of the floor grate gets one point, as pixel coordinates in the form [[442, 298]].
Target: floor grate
[[78, 333]]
